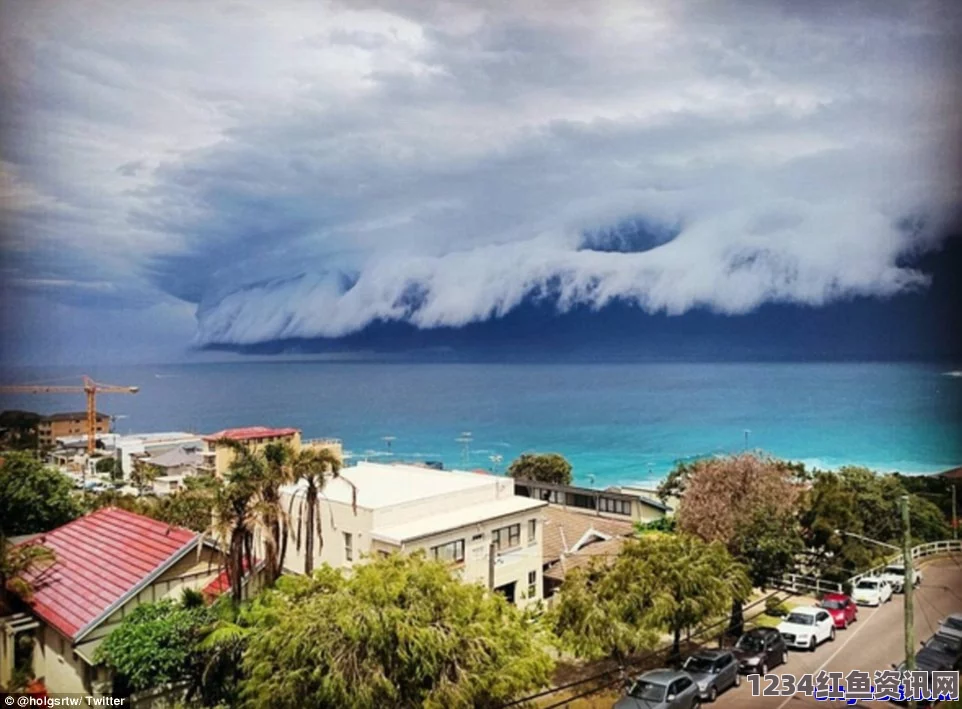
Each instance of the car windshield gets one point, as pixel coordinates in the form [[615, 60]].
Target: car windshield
[[954, 623], [800, 619], [897, 570], [649, 691], [869, 585], [945, 643], [698, 664], [833, 605], [752, 643]]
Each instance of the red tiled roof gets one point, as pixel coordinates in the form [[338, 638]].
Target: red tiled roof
[[222, 583], [250, 433], [101, 559]]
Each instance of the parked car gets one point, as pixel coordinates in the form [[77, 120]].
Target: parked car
[[872, 591], [842, 609], [951, 625], [661, 689], [759, 650], [895, 575], [714, 671], [807, 627], [940, 652]]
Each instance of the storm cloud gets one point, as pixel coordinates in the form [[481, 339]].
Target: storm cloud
[[308, 170]]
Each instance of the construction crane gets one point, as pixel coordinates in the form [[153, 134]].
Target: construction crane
[[90, 388]]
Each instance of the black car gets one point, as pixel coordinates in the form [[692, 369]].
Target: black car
[[759, 650], [940, 652]]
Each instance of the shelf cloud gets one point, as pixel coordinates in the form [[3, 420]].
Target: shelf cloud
[[309, 170]]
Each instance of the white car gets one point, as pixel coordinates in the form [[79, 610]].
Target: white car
[[872, 591], [895, 575], [806, 627]]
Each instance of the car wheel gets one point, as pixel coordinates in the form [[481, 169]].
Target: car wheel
[[713, 694], [696, 703], [763, 669], [738, 679], [784, 656], [831, 635], [845, 624], [811, 645]]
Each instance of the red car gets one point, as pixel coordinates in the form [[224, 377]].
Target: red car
[[842, 609]]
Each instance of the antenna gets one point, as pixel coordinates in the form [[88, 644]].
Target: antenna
[[388, 440], [465, 440], [495, 462]]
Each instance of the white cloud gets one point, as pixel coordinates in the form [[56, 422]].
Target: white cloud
[[241, 159]]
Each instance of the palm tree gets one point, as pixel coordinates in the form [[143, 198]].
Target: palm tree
[[236, 512], [278, 471], [17, 563], [315, 467]]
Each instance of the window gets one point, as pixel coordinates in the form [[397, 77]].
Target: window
[[348, 546], [608, 504], [532, 531], [506, 537], [477, 537], [532, 584], [450, 553]]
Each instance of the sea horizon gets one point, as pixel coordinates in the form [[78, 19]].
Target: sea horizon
[[619, 423]]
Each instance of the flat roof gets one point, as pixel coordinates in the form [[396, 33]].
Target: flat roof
[[380, 485], [251, 433], [438, 524]]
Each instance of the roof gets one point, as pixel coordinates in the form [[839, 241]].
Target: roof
[[103, 559], [711, 654], [378, 485], [606, 551], [473, 514], [72, 416], [611, 492], [251, 433], [662, 675], [806, 610], [221, 583], [953, 473], [563, 529], [176, 458]]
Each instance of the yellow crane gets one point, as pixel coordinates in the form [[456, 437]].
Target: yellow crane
[[90, 388]]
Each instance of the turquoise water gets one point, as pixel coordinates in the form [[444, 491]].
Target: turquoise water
[[617, 423]]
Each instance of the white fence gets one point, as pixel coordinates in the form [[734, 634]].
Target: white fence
[[798, 583]]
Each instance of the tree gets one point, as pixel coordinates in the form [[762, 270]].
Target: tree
[[658, 582], [143, 474], [860, 501], [33, 497], [399, 631], [277, 471], [236, 518], [154, 645], [314, 467], [693, 582], [21, 567], [542, 467], [111, 467], [747, 502]]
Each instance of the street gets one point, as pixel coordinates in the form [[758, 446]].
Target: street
[[873, 643]]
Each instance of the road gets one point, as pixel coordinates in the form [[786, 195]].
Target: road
[[873, 643]]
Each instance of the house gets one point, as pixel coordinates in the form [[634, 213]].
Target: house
[[611, 503], [573, 539], [72, 423], [108, 563], [257, 437], [175, 465], [144, 446], [476, 523]]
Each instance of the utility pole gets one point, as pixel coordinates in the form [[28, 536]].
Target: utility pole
[[908, 587], [955, 517]]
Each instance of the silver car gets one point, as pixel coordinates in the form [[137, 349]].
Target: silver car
[[951, 625], [714, 671], [661, 689]]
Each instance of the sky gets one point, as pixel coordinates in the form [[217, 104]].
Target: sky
[[242, 176]]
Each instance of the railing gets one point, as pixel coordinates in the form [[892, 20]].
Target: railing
[[308, 442], [796, 582], [918, 552]]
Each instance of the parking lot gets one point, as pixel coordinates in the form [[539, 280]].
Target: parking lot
[[873, 643]]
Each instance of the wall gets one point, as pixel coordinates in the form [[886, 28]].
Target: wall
[[223, 456]]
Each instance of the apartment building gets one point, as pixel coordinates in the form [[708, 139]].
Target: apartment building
[[72, 423], [258, 437], [613, 503], [473, 522]]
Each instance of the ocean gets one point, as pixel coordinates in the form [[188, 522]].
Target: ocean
[[617, 423]]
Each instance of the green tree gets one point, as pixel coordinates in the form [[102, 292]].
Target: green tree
[[859, 501], [749, 503], [21, 566], [315, 468], [33, 497], [109, 466], [543, 467], [143, 474], [399, 632], [277, 471], [154, 645]]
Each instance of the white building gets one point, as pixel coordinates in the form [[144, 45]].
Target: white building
[[126, 448], [474, 521]]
